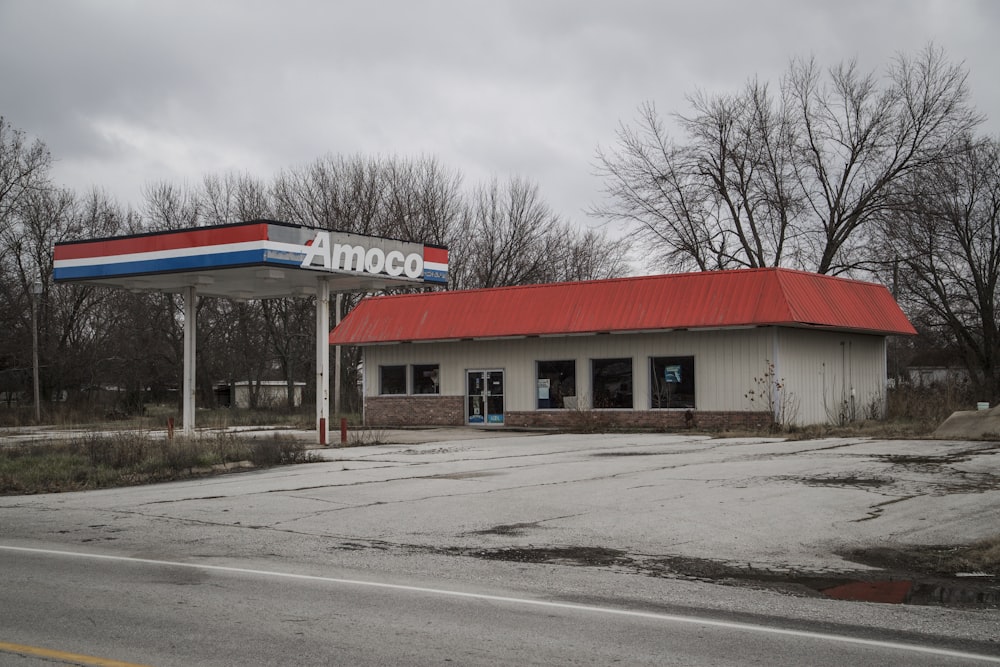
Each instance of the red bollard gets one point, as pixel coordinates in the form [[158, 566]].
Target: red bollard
[[170, 428], [322, 431], [343, 431]]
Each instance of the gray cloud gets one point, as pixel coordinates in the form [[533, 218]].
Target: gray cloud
[[126, 93]]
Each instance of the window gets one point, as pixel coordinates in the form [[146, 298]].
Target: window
[[392, 379], [671, 382], [612, 383], [425, 379], [555, 383]]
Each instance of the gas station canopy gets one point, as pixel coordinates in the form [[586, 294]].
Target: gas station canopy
[[260, 259]]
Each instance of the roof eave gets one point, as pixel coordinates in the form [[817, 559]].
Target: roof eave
[[574, 334]]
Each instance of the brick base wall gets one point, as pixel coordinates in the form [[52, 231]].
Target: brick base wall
[[661, 420], [450, 411], [414, 411]]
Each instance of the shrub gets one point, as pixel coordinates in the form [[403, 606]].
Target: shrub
[[928, 404]]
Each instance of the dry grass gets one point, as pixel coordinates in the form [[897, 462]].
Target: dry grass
[[365, 437], [982, 557], [131, 457], [155, 416], [913, 413]]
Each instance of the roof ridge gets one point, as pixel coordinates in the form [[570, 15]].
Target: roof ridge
[[790, 304], [597, 281]]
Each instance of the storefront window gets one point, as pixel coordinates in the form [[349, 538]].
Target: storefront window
[[671, 382], [555, 384], [612, 383], [425, 379], [392, 379]]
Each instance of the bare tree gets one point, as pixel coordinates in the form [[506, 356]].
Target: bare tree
[[24, 170], [856, 141], [796, 180], [71, 318], [234, 197], [740, 155], [169, 206], [334, 192], [585, 255], [507, 226], [944, 232], [422, 200], [25, 190], [652, 188]]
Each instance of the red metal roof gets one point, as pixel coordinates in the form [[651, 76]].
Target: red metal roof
[[748, 297]]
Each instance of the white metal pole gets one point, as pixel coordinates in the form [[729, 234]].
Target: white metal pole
[[337, 399], [190, 328], [322, 355]]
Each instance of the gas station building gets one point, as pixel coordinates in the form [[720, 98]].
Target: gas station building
[[718, 349]]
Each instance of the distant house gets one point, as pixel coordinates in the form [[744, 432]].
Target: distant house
[[724, 348], [262, 394], [928, 376]]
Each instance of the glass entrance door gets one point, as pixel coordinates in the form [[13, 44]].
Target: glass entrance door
[[484, 397]]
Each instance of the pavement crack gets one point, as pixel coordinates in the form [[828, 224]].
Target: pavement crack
[[875, 511]]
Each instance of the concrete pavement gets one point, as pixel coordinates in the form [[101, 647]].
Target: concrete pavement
[[760, 502], [522, 512]]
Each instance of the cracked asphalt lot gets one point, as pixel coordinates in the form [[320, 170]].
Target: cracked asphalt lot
[[739, 504]]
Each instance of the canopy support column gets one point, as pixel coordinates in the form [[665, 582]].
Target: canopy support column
[[322, 356], [190, 329], [338, 400]]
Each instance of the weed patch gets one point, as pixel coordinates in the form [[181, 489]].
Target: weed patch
[[128, 458], [366, 438], [978, 557]]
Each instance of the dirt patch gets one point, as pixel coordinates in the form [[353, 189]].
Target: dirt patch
[[909, 460], [461, 475], [586, 556], [892, 586], [506, 529], [981, 557], [966, 576], [845, 481]]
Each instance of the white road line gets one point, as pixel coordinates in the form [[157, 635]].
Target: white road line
[[669, 618]]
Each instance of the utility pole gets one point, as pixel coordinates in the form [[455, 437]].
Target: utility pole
[[36, 294]]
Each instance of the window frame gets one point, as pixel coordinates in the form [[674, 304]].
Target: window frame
[[557, 390], [596, 396], [686, 362], [382, 383], [415, 376]]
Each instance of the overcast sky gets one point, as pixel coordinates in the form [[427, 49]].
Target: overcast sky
[[126, 93]]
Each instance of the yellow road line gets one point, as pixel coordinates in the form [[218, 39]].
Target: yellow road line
[[62, 656]]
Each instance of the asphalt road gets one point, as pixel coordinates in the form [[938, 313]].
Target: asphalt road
[[376, 557]]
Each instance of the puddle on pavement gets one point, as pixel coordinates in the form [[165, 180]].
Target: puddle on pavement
[[915, 592], [944, 591], [891, 592]]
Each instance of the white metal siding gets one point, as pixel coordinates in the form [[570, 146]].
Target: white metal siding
[[828, 373], [725, 362]]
